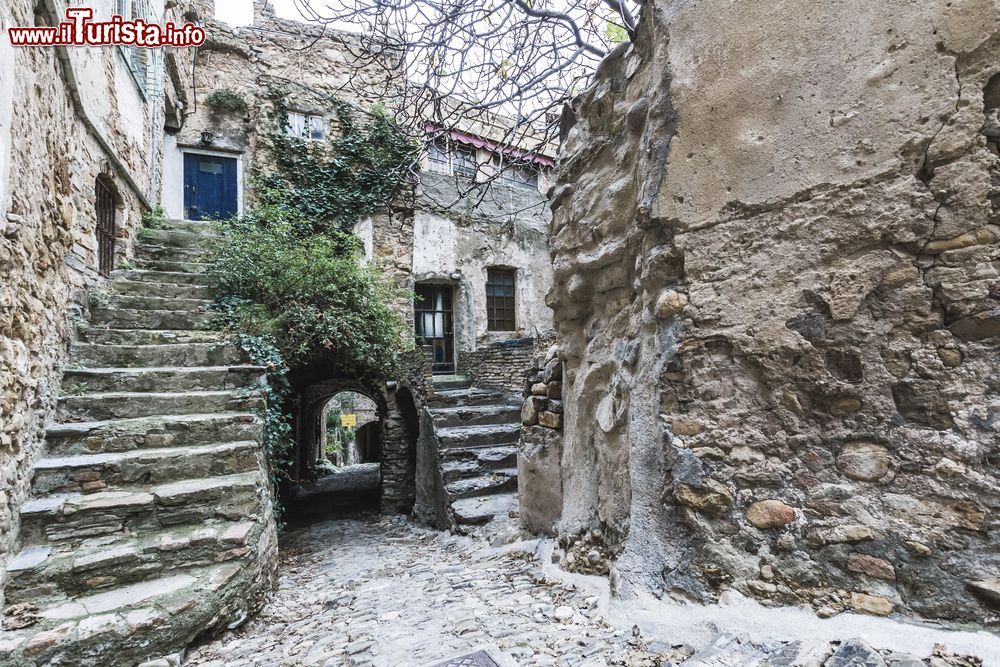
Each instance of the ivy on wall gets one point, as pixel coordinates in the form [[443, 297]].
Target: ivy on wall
[[333, 183], [292, 287]]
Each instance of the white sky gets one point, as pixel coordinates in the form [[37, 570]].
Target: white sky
[[240, 12]]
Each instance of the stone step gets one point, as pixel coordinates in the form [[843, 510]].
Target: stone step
[[450, 382], [168, 277], [171, 354], [160, 265], [168, 290], [496, 481], [72, 517], [475, 415], [52, 574], [462, 464], [467, 397], [131, 405], [179, 238], [161, 379], [203, 227], [122, 318], [140, 302], [480, 509], [87, 473], [89, 334], [489, 435], [121, 435], [131, 624], [169, 253]]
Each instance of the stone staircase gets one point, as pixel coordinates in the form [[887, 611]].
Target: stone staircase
[[477, 434], [151, 521]]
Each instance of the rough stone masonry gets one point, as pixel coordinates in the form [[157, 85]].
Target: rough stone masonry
[[776, 240]]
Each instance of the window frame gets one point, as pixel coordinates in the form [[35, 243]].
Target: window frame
[[309, 126], [517, 175], [139, 61], [501, 309]]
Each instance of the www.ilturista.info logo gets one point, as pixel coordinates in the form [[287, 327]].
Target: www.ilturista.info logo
[[79, 30]]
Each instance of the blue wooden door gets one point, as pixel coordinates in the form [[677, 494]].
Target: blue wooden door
[[209, 186]]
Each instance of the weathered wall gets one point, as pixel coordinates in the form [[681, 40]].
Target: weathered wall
[[775, 236], [466, 235], [539, 477], [52, 150], [499, 365]]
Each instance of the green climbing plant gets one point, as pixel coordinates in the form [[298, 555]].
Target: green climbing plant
[[331, 184], [293, 288]]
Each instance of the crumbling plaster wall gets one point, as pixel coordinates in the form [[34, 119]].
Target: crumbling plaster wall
[[52, 150], [468, 233], [775, 240]]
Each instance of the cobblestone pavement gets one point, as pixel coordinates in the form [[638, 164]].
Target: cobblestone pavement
[[383, 592]]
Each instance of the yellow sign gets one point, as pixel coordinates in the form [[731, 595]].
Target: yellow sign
[[348, 421]]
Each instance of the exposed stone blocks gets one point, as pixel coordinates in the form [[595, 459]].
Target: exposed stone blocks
[[500, 365], [778, 327], [539, 455]]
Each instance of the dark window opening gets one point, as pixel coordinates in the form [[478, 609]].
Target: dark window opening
[[105, 227], [500, 300], [434, 324]]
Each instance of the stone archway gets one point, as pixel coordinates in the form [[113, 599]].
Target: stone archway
[[389, 440]]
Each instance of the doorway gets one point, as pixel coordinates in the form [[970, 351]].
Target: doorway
[[434, 325], [210, 187]]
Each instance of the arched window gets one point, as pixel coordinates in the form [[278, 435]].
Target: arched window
[[106, 203]]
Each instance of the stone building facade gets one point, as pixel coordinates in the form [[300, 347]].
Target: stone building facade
[[60, 148], [777, 296], [476, 257]]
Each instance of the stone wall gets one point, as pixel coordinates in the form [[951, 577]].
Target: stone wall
[[775, 236], [56, 138], [499, 365], [457, 238], [539, 478]]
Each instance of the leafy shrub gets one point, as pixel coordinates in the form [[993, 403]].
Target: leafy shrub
[[225, 100], [312, 294]]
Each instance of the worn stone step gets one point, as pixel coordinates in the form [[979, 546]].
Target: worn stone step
[[120, 435], [130, 405], [51, 574], [480, 509], [467, 397], [104, 336], [172, 266], [140, 302], [131, 624], [175, 237], [450, 382], [465, 463], [87, 473], [169, 277], [496, 481], [474, 415], [171, 354], [166, 290], [201, 226], [489, 435], [152, 251], [161, 379], [73, 517], [124, 318]]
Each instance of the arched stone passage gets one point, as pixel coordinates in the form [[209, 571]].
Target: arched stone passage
[[390, 439]]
